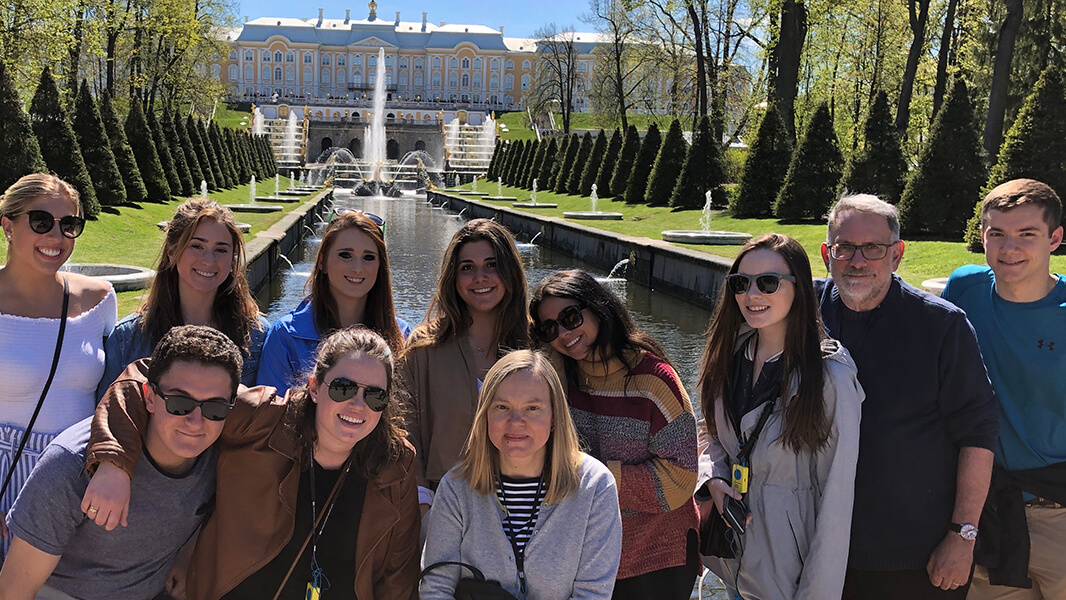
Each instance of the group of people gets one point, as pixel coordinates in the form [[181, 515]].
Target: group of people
[[540, 440]]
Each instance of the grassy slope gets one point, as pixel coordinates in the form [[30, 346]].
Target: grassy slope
[[518, 130], [227, 117], [922, 259]]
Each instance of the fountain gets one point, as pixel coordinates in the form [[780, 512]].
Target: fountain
[[258, 124], [473, 189], [253, 206], [203, 189], [533, 200], [499, 192], [530, 245], [469, 148], [593, 214], [704, 235]]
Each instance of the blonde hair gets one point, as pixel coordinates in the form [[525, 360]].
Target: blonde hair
[[479, 465], [29, 188]]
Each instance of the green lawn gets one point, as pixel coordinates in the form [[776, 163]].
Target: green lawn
[[518, 130], [129, 235], [922, 259], [228, 117]]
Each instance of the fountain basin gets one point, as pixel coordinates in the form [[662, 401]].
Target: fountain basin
[[255, 208], [935, 285], [469, 193], [501, 198], [292, 193], [532, 205], [277, 198], [244, 227], [123, 278], [715, 238], [589, 215]]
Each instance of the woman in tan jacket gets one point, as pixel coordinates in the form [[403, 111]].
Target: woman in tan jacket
[[334, 451]]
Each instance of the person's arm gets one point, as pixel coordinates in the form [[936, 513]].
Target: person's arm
[[411, 376], [443, 542], [602, 547], [949, 566], [278, 361], [25, 570], [257, 337], [119, 350], [399, 577]]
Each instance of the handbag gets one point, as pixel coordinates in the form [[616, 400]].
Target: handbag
[[473, 588], [44, 392], [716, 537]]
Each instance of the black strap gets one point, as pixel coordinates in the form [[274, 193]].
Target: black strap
[[749, 442], [44, 392], [478, 575]]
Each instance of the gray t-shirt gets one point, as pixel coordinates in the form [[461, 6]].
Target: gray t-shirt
[[130, 562]]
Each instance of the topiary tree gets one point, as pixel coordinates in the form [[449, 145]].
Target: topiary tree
[[59, 145], [516, 163], [765, 167], [878, 167], [623, 166], [811, 183], [120, 147], [557, 163], [163, 149], [188, 149], [566, 167], [637, 182], [703, 170], [544, 174], [667, 168], [222, 177], [20, 154], [147, 158], [610, 157], [177, 154], [593, 164], [490, 172], [224, 163], [573, 184], [527, 163], [538, 161], [229, 138], [96, 150], [244, 142], [941, 191], [1035, 146], [206, 168]]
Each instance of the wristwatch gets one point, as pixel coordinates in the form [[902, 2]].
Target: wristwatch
[[966, 531]]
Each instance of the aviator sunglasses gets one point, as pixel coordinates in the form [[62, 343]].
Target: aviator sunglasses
[[569, 317], [42, 221], [342, 389], [179, 406], [768, 283]]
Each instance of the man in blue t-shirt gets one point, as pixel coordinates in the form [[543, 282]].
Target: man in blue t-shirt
[[58, 551], [1018, 308]]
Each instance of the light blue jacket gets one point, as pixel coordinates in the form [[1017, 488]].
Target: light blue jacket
[[573, 551], [128, 343], [290, 347]]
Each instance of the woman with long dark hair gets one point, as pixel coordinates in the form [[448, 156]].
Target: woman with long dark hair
[[633, 414], [782, 404]]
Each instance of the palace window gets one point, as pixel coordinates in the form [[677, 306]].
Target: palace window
[[453, 80], [436, 62], [582, 66], [388, 61], [403, 79], [357, 60], [453, 63], [325, 77], [249, 73], [477, 81], [436, 79], [466, 80], [509, 65], [266, 56], [494, 82], [308, 58], [418, 79], [418, 63], [372, 76], [525, 83], [477, 64], [277, 73], [325, 60], [340, 61], [309, 75], [277, 57], [508, 82], [216, 71], [372, 60], [403, 63], [290, 57], [248, 56], [466, 63], [525, 65], [342, 77], [357, 77], [290, 73], [233, 54], [494, 64], [234, 73]]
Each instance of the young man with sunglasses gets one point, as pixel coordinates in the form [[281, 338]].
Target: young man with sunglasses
[[929, 420], [58, 552], [1018, 308]]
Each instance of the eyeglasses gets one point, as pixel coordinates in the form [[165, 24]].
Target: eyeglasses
[[870, 251], [179, 406], [768, 283], [570, 317], [42, 221], [342, 389], [379, 221]]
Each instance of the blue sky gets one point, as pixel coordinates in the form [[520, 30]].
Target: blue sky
[[520, 18]]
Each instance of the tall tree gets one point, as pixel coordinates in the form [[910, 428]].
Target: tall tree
[[703, 170], [120, 147], [997, 95], [610, 158], [96, 150], [527, 162], [177, 154], [224, 165], [562, 176], [19, 152], [811, 183], [785, 56], [593, 164], [637, 182], [207, 168], [878, 167], [555, 71], [621, 60], [147, 156], [547, 166], [163, 150], [667, 167], [918, 17], [538, 162], [626, 157], [188, 149], [943, 56], [765, 167], [560, 159], [490, 173], [573, 184]]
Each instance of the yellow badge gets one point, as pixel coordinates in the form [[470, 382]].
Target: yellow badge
[[313, 592], [740, 478]]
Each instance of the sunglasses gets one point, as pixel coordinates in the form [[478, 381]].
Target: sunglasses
[[768, 283], [379, 221], [42, 221], [179, 406], [342, 390], [570, 317]]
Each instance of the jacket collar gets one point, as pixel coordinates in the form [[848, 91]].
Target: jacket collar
[[302, 322]]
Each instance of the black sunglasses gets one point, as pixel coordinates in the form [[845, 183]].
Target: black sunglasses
[[342, 389], [42, 221], [379, 221], [569, 317], [768, 283], [179, 406]]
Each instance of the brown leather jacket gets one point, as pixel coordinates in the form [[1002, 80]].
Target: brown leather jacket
[[258, 481]]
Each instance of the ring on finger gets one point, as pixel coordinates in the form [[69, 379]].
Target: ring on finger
[[93, 509]]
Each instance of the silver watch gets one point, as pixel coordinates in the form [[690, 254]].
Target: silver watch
[[967, 531]]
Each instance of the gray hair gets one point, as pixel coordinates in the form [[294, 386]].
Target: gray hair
[[863, 203]]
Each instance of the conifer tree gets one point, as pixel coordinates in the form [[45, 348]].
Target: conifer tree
[[516, 163], [527, 163], [941, 191], [610, 157], [246, 149], [20, 154], [188, 149], [541, 146], [811, 183], [140, 138], [490, 172], [667, 168], [209, 151], [593, 164], [1034, 148], [206, 168], [637, 182], [560, 162], [177, 154], [878, 167], [215, 154], [120, 147], [703, 170], [544, 174], [765, 167], [163, 149], [627, 157], [96, 150], [221, 155], [244, 170], [59, 145], [260, 166], [573, 185]]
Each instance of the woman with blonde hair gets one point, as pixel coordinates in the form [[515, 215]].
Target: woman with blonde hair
[[524, 505], [350, 284], [41, 216], [200, 280]]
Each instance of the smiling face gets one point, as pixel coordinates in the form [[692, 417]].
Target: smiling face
[[207, 260], [575, 343], [340, 425], [520, 423], [44, 252], [175, 441], [352, 266], [1018, 247], [766, 312], [477, 282], [863, 283]]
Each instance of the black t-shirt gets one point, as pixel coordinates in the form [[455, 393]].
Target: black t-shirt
[[746, 394], [336, 545]]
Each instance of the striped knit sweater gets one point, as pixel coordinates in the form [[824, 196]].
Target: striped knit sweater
[[644, 430]]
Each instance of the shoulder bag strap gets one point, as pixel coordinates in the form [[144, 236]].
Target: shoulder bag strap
[[749, 443], [44, 392], [478, 575]]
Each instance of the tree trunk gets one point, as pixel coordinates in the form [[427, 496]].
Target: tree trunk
[[943, 56], [919, 16], [997, 95], [787, 54], [74, 53], [701, 66], [619, 84]]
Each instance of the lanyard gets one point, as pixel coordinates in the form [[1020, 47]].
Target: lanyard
[[747, 443], [512, 533], [317, 577]]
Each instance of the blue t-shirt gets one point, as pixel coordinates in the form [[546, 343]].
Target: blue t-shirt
[[1024, 349], [128, 562]]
